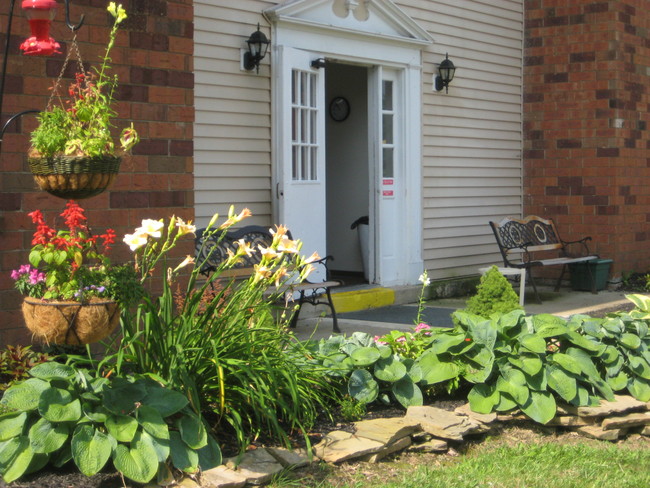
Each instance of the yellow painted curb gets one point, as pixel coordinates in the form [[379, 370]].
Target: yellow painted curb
[[351, 301]]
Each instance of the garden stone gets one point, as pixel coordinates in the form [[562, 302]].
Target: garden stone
[[397, 446], [188, 483], [483, 418], [596, 432], [258, 466], [386, 431], [343, 446], [222, 477], [297, 458], [622, 403], [631, 420], [433, 445], [442, 423], [646, 431], [569, 421]]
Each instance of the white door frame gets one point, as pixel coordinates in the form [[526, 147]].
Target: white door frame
[[403, 56]]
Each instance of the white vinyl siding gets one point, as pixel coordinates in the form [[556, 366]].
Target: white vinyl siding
[[232, 132], [472, 136]]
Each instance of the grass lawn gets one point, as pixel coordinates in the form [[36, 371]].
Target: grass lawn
[[516, 458]]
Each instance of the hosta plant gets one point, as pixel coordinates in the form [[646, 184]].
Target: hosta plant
[[64, 414]]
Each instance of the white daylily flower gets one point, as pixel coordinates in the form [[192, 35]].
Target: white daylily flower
[[135, 241], [151, 228]]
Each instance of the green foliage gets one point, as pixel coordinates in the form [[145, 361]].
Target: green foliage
[[352, 410], [63, 414], [513, 361], [221, 342], [494, 295], [82, 126], [16, 361]]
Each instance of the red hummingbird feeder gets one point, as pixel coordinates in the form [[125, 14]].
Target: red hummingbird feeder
[[40, 14]]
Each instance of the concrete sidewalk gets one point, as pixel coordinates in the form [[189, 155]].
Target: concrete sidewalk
[[382, 319]]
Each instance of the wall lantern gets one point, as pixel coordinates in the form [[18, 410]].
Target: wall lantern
[[446, 72], [258, 44], [40, 14]]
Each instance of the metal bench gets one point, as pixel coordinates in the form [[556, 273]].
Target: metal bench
[[528, 243], [214, 251]]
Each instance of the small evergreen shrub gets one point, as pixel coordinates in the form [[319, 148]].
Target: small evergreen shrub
[[494, 295]]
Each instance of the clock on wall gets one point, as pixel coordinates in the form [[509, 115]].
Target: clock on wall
[[339, 109]]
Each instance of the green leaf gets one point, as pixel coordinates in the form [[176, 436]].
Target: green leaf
[[58, 405], [483, 398], [139, 462], [610, 355], [52, 370], [15, 457], [585, 342], [631, 341], [183, 457], [209, 455], [122, 398], [642, 302], [91, 449], [519, 393], [122, 427], [152, 422], [24, 396], [639, 389], [413, 370], [338, 364], [12, 424], [562, 382], [192, 431], [167, 402], [483, 332], [547, 325], [46, 437], [384, 352], [407, 393], [531, 365], [362, 386], [585, 363], [505, 403], [365, 356], [639, 366], [618, 382], [444, 342], [540, 407], [389, 370], [533, 343], [436, 372]]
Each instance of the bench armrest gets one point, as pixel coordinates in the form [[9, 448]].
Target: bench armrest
[[582, 245]]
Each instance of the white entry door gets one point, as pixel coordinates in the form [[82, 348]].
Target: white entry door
[[301, 149]]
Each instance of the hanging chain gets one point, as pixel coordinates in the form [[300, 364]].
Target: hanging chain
[[55, 89]]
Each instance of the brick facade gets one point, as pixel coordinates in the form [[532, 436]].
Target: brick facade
[[153, 59], [586, 139]]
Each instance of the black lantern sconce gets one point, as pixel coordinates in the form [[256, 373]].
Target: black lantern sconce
[[40, 14], [446, 72], [258, 44]]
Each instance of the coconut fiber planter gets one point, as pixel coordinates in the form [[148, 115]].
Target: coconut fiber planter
[[71, 323], [74, 177]]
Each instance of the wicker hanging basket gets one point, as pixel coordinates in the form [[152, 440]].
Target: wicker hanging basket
[[71, 323], [74, 177]]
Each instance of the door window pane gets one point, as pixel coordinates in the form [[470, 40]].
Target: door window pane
[[304, 130]]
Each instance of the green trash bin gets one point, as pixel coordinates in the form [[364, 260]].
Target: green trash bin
[[581, 278]]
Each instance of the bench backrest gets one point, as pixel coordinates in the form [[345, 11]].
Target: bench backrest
[[214, 251], [532, 233]]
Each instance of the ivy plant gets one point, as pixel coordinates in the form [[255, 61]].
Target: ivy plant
[[62, 413]]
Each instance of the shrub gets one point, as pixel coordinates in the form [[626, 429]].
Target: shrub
[[494, 295], [64, 414]]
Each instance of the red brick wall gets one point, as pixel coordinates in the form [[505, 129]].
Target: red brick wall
[[153, 59], [586, 150]]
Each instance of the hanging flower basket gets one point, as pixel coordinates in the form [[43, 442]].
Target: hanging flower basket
[[74, 177], [71, 323]]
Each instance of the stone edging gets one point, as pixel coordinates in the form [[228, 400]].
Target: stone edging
[[422, 429]]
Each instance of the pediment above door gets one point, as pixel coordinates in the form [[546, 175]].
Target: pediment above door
[[374, 18]]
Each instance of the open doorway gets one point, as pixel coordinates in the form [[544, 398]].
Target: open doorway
[[347, 174]]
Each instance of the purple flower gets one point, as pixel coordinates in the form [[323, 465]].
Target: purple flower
[[36, 277], [15, 275]]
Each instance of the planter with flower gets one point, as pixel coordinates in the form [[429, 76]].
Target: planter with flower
[[73, 154], [72, 292]]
